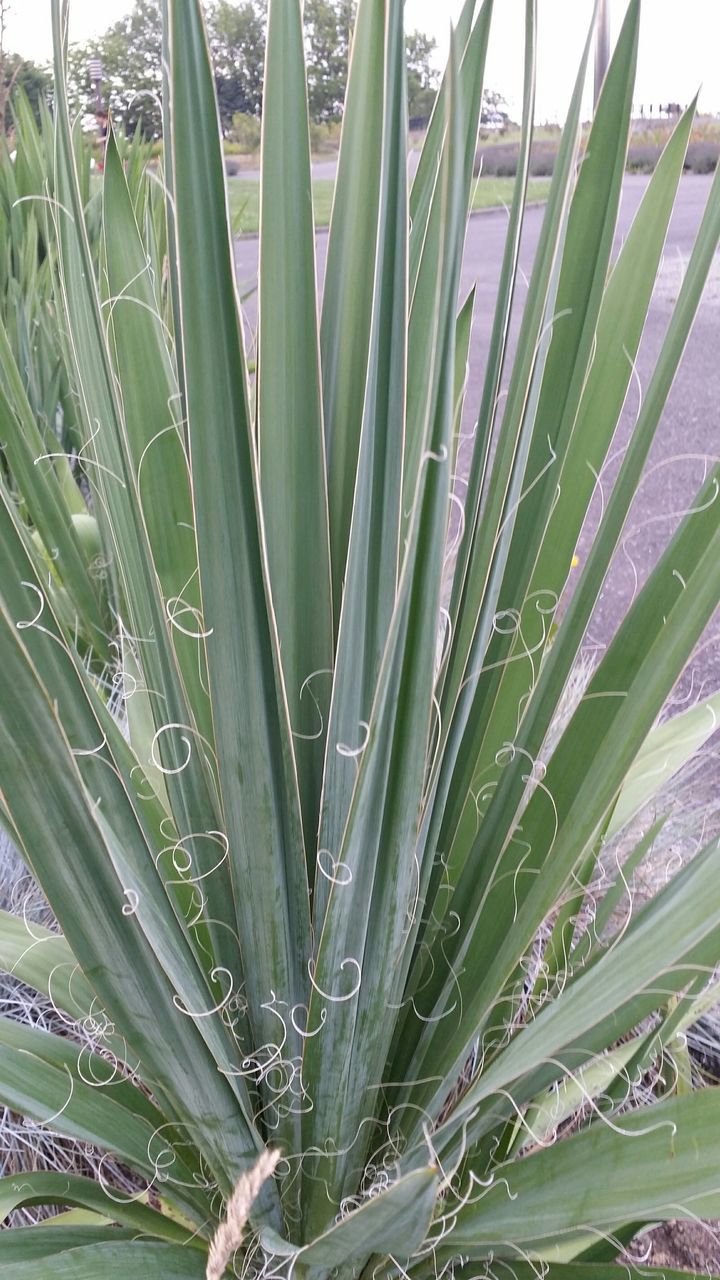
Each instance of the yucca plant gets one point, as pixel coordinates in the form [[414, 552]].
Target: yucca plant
[[41, 443], [26, 271], [336, 931]]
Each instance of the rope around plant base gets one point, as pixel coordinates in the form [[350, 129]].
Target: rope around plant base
[[229, 1234]]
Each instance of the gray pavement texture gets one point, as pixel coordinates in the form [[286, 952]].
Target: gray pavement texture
[[688, 438], [319, 168]]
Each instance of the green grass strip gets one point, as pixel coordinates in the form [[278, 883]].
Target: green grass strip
[[489, 193]]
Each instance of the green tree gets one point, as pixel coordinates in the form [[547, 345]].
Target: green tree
[[328, 31], [17, 74], [237, 43], [131, 54], [421, 75], [21, 76], [130, 51]]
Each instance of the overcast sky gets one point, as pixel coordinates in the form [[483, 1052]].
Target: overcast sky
[[678, 48]]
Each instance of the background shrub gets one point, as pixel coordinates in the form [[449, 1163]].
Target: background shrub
[[246, 132], [702, 157]]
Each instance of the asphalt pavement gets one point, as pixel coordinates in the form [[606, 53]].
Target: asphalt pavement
[[688, 438], [320, 169]]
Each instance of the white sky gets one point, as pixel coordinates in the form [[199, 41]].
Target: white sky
[[679, 43], [679, 48]]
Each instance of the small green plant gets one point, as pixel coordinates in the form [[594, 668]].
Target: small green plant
[[245, 132], [329, 906], [324, 137], [27, 265]]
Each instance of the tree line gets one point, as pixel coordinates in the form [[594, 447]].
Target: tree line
[[130, 51], [16, 74], [131, 55]]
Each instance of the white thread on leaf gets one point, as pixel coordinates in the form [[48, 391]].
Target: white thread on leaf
[[349, 960], [133, 902]]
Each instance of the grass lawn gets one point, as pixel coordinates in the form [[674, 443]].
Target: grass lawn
[[244, 198]]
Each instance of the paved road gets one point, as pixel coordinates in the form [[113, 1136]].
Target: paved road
[[689, 434], [320, 169], [328, 168]]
